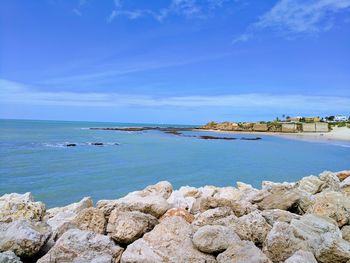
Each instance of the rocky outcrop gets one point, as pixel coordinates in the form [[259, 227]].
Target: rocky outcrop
[[83, 246], [20, 206], [305, 221], [25, 238]]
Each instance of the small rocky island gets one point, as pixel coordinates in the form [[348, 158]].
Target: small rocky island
[[306, 221]]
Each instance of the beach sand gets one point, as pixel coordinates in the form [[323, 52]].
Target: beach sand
[[336, 134]]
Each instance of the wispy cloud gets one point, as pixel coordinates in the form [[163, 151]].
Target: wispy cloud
[[17, 93], [113, 71], [184, 8], [293, 17]]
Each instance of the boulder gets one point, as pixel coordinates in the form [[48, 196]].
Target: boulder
[[178, 212], [25, 238], [342, 175], [212, 216], [310, 184], [207, 191], [242, 252], [281, 242], [277, 215], [345, 231], [9, 257], [238, 207], [323, 237], [188, 191], [332, 204], [178, 200], [331, 181], [214, 239], [345, 187], [90, 219], [73, 208], [169, 241], [252, 227], [125, 227], [247, 192], [77, 245], [151, 200], [277, 196], [20, 206], [301, 256], [60, 219]]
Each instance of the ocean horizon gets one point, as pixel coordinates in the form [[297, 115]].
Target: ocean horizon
[[34, 158]]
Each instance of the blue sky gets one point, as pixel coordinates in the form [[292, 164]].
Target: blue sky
[[174, 61]]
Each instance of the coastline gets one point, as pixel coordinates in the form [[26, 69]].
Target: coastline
[[337, 134], [205, 224]]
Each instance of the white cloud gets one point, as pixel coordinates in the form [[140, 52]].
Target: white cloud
[[299, 16], [20, 94], [292, 17]]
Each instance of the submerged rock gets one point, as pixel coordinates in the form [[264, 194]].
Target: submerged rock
[[83, 246], [20, 206], [169, 241], [23, 237]]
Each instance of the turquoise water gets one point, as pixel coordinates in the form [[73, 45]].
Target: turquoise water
[[33, 158]]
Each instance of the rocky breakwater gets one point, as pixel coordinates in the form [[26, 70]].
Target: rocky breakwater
[[305, 221]]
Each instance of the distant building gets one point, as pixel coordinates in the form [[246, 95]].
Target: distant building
[[340, 118], [312, 119], [294, 119]]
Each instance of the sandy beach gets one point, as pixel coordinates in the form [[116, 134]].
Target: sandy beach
[[336, 134]]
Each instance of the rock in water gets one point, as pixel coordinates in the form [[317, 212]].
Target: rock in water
[[242, 252], [23, 237], [9, 257], [214, 239], [20, 206], [169, 241], [126, 227], [83, 246]]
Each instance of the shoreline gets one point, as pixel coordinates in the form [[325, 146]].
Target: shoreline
[[205, 224], [337, 134]]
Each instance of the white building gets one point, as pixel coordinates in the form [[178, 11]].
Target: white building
[[340, 118]]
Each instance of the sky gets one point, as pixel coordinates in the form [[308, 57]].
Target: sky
[[174, 61]]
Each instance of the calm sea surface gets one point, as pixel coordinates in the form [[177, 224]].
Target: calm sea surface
[[33, 158]]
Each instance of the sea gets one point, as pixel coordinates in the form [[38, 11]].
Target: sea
[[34, 158]]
